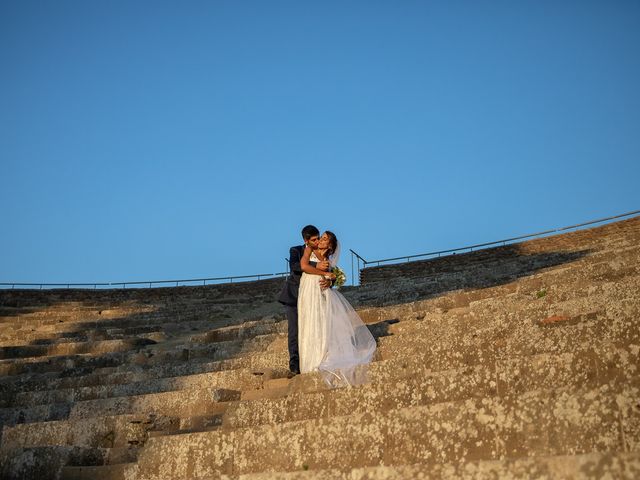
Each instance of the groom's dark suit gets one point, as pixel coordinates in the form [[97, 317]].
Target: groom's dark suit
[[289, 298]]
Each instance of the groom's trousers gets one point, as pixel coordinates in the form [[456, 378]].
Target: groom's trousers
[[292, 320]]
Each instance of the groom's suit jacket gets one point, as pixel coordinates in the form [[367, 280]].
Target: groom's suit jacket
[[289, 293]]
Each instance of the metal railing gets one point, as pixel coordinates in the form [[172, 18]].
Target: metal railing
[[407, 258], [358, 258], [356, 262], [220, 280]]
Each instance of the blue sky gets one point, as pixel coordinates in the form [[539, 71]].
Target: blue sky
[[158, 140]]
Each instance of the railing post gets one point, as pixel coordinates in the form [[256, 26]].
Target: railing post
[[353, 280], [364, 264]]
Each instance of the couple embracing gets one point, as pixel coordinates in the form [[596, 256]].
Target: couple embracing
[[325, 332]]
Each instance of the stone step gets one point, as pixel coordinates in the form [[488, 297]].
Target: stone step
[[476, 349], [48, 315], [132, 373], [381, 294], [241, 332], [139, 367], [170, 325], [74, 348], [528, 288], [46, 463], [278, 359], [463, 336], [116, 431], [73, 333], [505, 301], [170, 300], [484, 315], [124, 373], [525, 258], [391, 384], [155, 331], [195, 424], [414, 333], [120, 471], [42, 463], [584, 369], [488, 318], [173, 403], [152, 354], [394, 291], [534, 249], [491, 311], [238, 330], [234, 379], [394, 386], [619, 465], [193, 342], [452, 351], [541, 422], [51, 321], [35, 311], [200, 389]]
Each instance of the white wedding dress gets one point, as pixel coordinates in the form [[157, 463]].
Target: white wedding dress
[[332, 339]]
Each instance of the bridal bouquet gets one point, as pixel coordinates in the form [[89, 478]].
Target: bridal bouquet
[[341, 278]]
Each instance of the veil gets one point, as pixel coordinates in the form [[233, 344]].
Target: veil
[[349, 346], [335, 256]]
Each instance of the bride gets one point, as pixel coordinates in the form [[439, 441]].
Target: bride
[[332, 338]]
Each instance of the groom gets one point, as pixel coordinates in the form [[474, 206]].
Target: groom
[[289, 294]]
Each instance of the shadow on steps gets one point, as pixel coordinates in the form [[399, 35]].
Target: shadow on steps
[[408, 282]]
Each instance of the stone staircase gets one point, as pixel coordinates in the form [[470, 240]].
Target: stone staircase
[[519, 361]]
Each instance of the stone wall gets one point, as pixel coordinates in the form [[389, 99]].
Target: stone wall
[[16, 298], [459, 262]]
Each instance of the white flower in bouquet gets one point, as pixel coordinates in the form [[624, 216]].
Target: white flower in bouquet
[[341, 278]]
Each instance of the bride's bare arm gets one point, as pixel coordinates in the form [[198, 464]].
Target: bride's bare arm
[[307, 268]]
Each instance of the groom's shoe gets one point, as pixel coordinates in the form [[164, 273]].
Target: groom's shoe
[[293, 373]]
